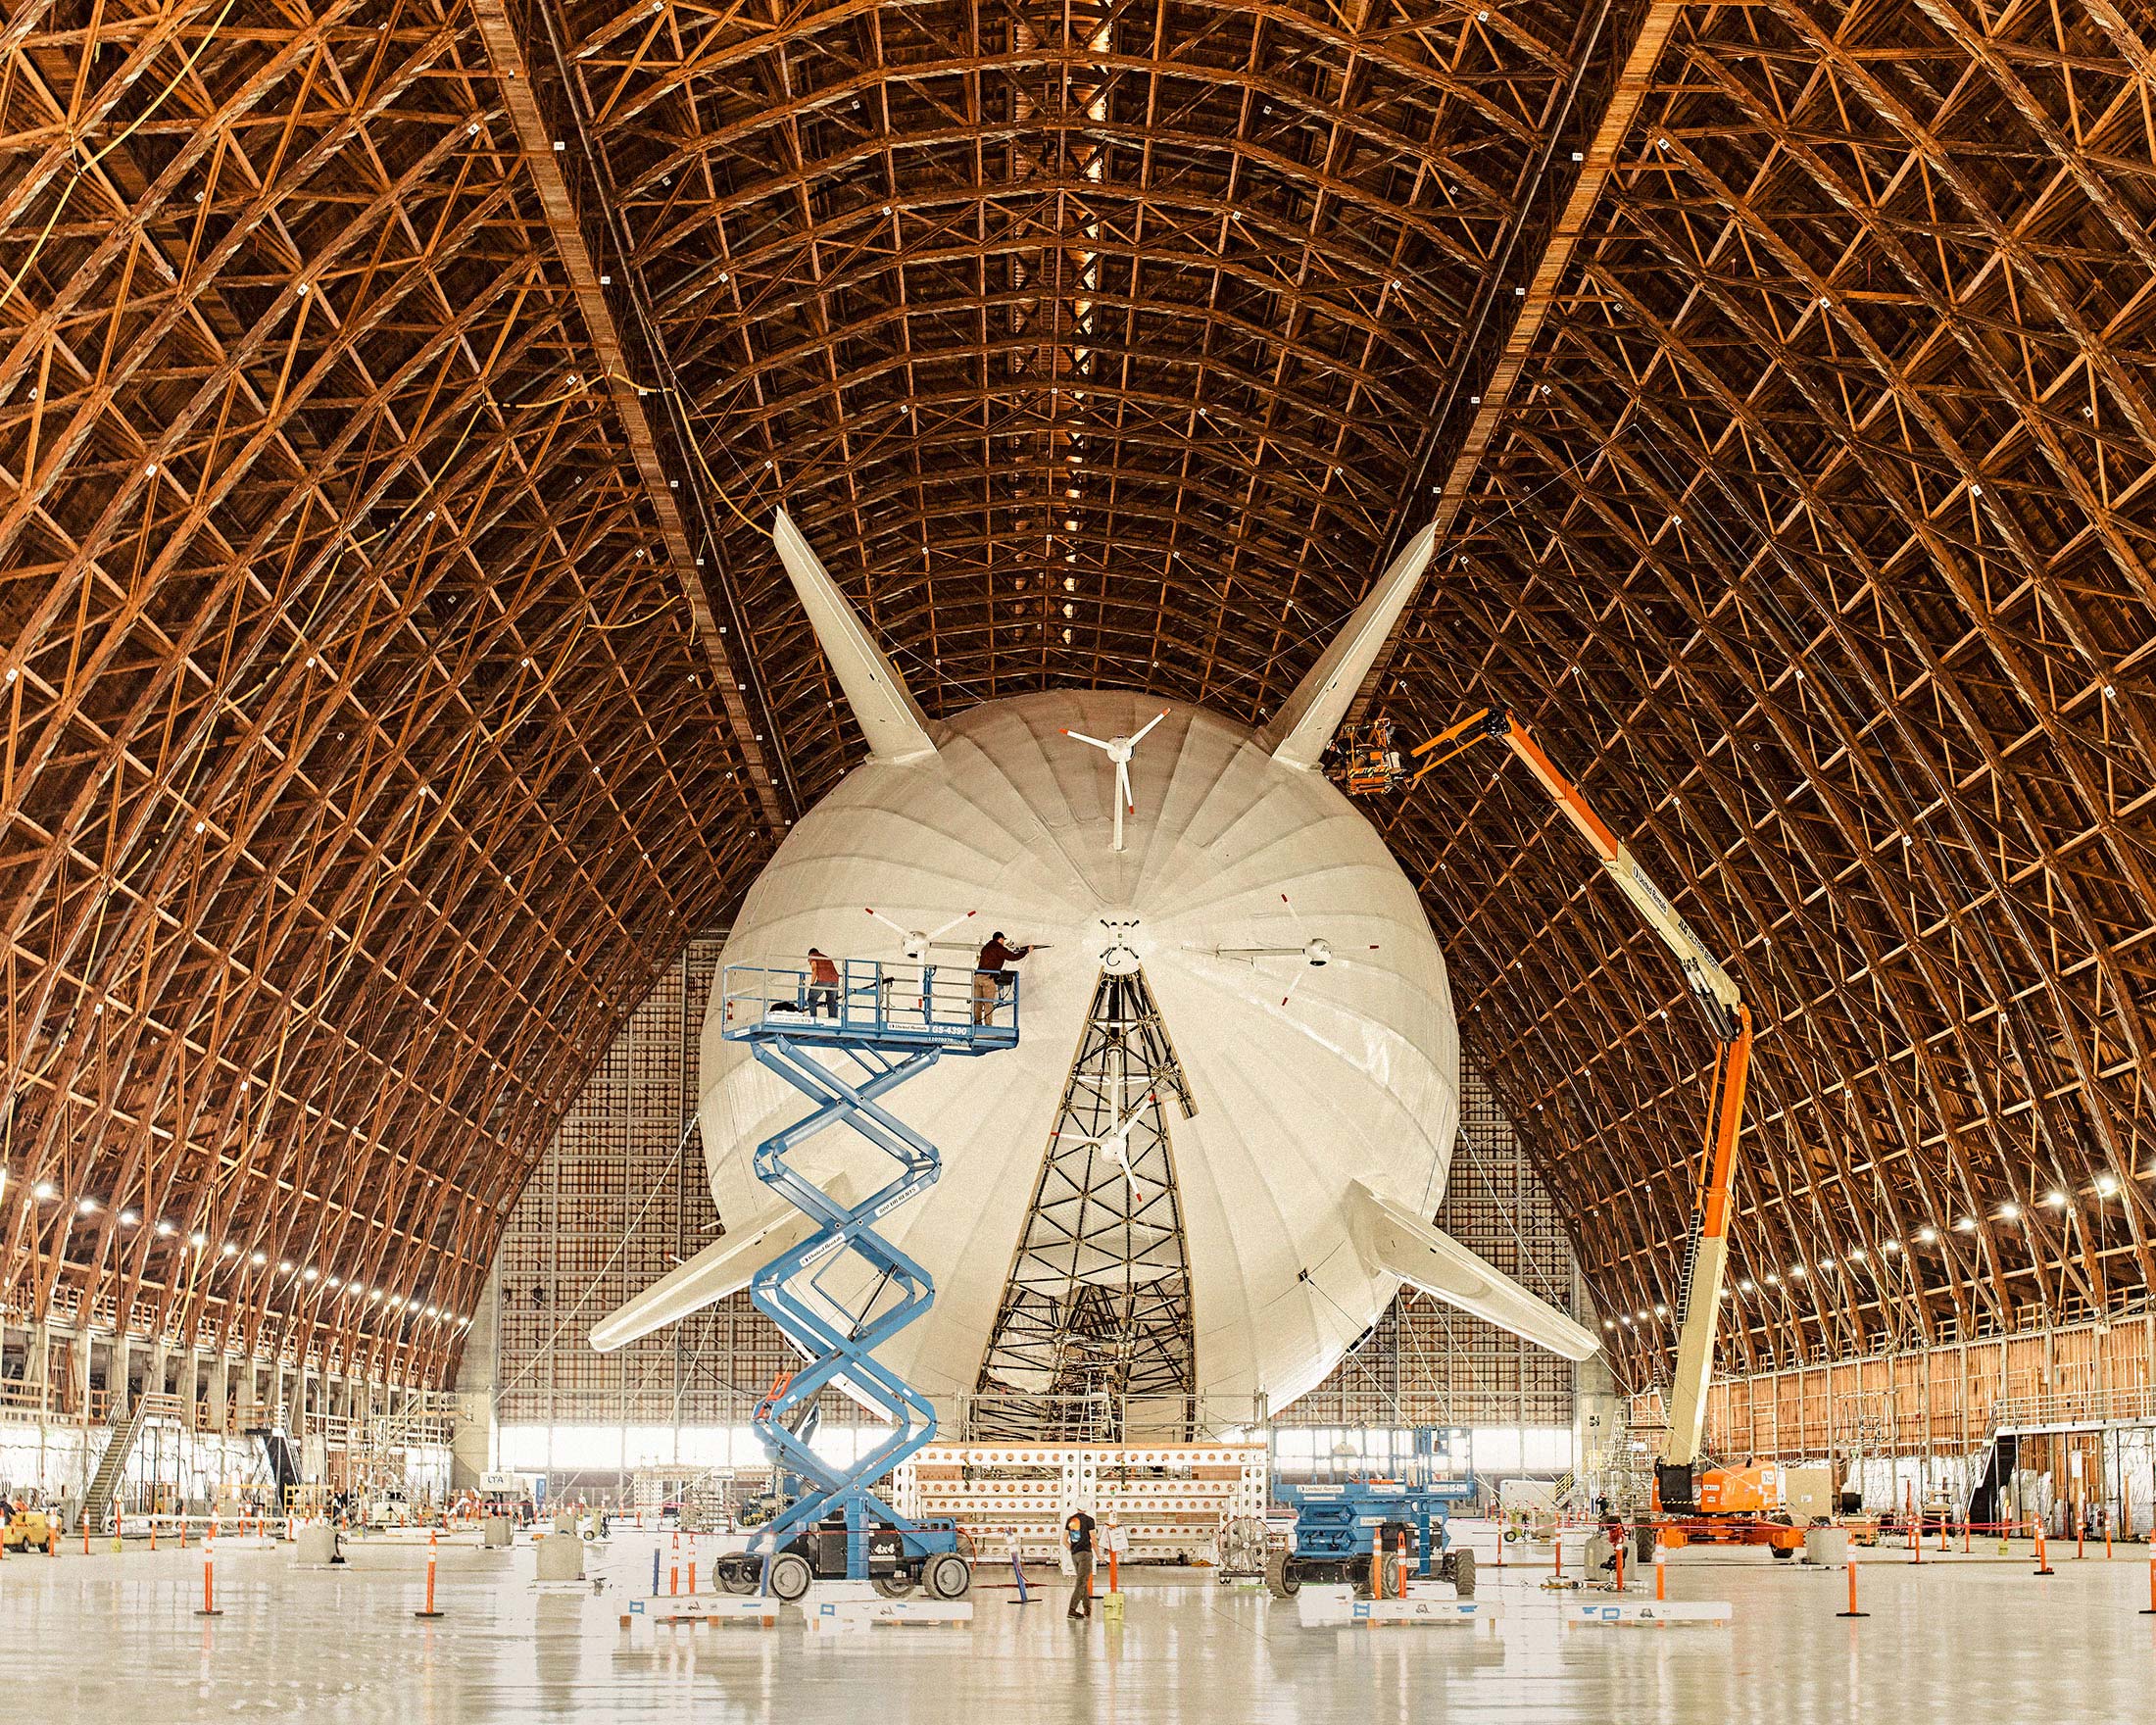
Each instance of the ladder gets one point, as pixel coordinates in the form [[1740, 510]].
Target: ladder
[[880, 1036], [105, 1482]]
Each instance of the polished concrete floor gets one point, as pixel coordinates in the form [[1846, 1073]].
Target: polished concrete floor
[[113, 1638]]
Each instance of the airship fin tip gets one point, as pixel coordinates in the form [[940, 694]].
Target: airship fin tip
[[722, 1267], [1297, 734], [1395, 1240], [892, 722]]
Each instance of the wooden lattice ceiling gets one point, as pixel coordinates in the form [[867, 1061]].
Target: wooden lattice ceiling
[[397, 669]]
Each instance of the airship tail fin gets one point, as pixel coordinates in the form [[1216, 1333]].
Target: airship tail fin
[[722, 1268], [890, 718], [1396, 1241], [1297, 736]]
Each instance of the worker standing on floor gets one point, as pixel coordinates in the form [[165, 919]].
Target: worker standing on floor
[[1078, 1529]]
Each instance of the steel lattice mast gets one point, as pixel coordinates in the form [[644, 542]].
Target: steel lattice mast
[[1095, 1315]]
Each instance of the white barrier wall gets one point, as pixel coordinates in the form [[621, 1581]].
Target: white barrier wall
[[1174, 1498]]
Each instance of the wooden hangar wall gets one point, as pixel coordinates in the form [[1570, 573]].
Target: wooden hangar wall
[[395, 668], [621, 1195]]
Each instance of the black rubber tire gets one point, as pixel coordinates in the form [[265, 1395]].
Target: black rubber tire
[[1463, 1573], [736, 1573], [1781, 1552], [898, 1585], [1396, 1576], [1281, 1579], [947, 1576], [790, 1576]]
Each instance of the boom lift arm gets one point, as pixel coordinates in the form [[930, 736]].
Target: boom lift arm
[[1700, 1289]]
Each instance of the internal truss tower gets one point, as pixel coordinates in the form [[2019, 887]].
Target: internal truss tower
[[1095, 1316]]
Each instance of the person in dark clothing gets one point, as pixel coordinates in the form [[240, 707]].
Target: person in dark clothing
[[1078, 1529], [823, 984], [992, 973]]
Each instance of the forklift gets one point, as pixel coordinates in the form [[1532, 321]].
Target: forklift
[[32, 1530]]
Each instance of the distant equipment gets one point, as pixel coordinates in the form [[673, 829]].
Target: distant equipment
[[1243, 1549], [32, 1530]]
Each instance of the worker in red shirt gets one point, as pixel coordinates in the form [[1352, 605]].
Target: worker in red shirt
[[823, 984], [991, 973]]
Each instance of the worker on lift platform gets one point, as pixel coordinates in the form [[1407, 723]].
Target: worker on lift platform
[[1365, 760]]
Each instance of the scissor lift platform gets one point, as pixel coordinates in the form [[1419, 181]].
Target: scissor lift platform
[[846, 1034]]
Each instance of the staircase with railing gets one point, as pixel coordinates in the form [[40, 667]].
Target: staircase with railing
[[105, 1482]]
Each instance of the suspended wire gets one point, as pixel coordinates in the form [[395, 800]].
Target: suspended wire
[[78, 174], [544, 1349]]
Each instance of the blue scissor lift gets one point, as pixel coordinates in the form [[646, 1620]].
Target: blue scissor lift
[[847, 1045], [1390, 1499]]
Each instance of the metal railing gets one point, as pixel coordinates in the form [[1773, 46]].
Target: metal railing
[[1100, 1416], [2074, 1407], [53, 1404], [857, 998]]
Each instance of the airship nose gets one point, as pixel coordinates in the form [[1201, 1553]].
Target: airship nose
[[1123, 943]]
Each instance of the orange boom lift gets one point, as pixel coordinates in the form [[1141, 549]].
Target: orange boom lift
[[1712, 1505]]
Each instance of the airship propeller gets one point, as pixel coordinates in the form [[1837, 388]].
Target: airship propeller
[[1120, 750], [1116, 1142], [1315, 951], [912, 941]]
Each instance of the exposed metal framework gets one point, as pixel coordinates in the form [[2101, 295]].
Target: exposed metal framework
[[1098, 1301], [396, 671]]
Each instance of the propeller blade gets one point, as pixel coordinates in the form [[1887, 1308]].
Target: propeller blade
[[1150, 724], [1081, 738], [903, 930], [1293, 982], [1122, 785], [953, 923], [1137, 1186]]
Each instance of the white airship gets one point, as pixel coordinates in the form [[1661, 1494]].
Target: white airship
[[1289, 959]]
